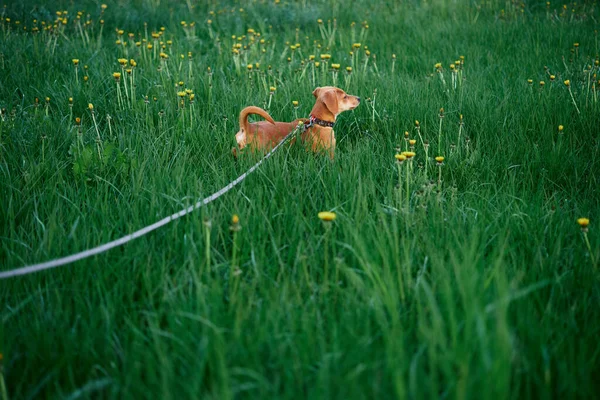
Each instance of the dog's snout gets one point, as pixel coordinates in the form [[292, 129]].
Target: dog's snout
[[358, 98]]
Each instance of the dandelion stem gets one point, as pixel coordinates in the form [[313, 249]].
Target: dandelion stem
[[232, 270], [119, 98], [460, 126], [399, 184], [573, 98], [98, 140], [407, 185], [587, 242], [373, 104], [124, 75], [439, 149], [326, 264], [108, 118]]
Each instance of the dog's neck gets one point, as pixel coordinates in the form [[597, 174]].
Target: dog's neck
[[322, 113], [316, 121]]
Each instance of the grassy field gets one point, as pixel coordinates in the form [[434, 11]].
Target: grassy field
[[466, 279]]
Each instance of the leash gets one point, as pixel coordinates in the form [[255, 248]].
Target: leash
[[30, 269]]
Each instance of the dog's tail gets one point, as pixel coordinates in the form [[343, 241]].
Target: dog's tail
[[252, 110]]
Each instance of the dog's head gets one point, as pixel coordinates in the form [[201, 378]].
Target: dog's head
[[335, 99]]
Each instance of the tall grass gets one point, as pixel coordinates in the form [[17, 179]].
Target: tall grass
[[477, 286]]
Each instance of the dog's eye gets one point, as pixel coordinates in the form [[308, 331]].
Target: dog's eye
[[346, 96]]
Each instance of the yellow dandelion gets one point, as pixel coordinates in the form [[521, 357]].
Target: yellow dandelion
[[272, 89], [412, 142], [75, 61], [567, 83], [90, 106], [560, 128], [400, 157], [116, 75], [583, 223], [326, 216], [439, 159]]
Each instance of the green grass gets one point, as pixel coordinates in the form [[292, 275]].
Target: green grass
[[483, 289]]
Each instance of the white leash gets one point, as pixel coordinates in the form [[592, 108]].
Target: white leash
[[30, 269]]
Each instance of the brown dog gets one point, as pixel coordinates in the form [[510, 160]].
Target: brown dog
[[318, 133]]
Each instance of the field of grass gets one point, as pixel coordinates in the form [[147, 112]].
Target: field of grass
[[469, 278]]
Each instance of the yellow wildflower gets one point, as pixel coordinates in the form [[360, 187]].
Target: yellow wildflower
[[326, 216], [583, 223]]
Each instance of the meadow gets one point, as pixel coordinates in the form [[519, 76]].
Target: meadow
[[463, 260]]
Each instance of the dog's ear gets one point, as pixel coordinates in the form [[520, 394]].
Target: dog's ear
[[316, 92], [330, 99]]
